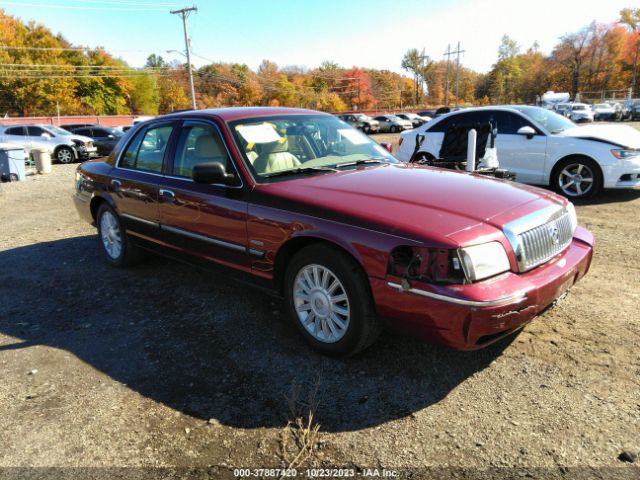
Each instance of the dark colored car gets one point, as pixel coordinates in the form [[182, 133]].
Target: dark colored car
[[361, 122], [300, 203], [104, 138]]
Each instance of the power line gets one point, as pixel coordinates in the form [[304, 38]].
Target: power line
[[78, 7], [126, 4]]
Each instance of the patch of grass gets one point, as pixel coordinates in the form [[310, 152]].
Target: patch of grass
[[300, 435]]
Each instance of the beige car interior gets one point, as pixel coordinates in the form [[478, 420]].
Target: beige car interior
[[275, 156], [207, 148]]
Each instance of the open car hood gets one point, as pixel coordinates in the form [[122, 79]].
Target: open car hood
[[619, 135]]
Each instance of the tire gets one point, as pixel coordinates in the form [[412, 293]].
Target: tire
[[567, 172], [366, 129], [337, 321], [422, 158], [110, 233], [394, 129], [65, 155]]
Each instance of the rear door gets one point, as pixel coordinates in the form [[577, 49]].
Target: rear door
[[16, 135], [522, 155], [135, 179], [209, 221]]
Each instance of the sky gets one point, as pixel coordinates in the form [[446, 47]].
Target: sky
[[365, 33]]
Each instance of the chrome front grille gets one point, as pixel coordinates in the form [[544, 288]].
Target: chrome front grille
[[545, 241], [540, 236]]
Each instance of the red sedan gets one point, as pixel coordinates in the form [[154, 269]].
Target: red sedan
[[299, 202]]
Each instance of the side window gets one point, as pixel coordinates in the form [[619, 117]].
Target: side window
[[83, 131], [444, 124], [97, 133], [35, 131], [146, 150], [19, 131], [199, 143], [508, 123]]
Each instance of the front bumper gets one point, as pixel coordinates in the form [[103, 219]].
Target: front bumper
[[623, 174], [85, 153], [468, 317]]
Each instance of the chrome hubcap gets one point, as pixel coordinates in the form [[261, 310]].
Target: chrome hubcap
[[576, 180], [321, 303], [110, 235]]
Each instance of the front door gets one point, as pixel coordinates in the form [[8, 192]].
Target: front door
[[525, 156], [134, 183], [209, 221]]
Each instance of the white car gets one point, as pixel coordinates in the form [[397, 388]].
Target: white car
[[544, 148], [392, 124], [604, 111], [580, 112]]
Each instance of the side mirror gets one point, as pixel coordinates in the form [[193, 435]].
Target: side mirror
[[527, 130], [111, 136], [48, 136], [387, 146], [211, 172]]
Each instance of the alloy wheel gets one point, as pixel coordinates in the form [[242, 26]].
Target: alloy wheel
[[110, 235], [321, 303], [576, 180]]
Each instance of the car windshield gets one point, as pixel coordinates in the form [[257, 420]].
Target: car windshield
[[579, 107], [58, 130], [362, 117], [300, 144], [550, 120], [601, 106]]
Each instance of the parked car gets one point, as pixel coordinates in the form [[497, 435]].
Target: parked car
[[627, 109], [604, 111], [580, 112], [104, 138], [544, 148], [393, 124], [428, 113], [351, 238], [415, 119], [562, 108], [634, 110], [361, 122], [63, 146]]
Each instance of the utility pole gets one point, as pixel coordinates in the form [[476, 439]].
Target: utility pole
[[446, 78], [448, 54], [184, 13], [423, 59]]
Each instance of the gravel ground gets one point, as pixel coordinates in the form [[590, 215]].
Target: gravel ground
[[166, 366]]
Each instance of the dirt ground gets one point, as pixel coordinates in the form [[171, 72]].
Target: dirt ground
[[164, 366]]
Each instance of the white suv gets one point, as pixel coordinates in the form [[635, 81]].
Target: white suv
[[544, 148]]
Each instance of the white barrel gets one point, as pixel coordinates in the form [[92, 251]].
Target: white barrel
[[42, 159]]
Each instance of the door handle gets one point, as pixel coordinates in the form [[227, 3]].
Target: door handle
[[116, 184], [167, 193]]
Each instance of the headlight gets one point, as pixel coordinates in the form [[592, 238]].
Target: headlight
[[621, 153], [483, 261], [78, 143], [573, 218]]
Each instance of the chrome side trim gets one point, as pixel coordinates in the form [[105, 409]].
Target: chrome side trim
[[256, 253], [515, 298], [203, 238], [141, 220]]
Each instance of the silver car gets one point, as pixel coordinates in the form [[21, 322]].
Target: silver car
[[393, 124], [63, 146]]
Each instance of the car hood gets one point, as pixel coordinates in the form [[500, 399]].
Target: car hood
[[82, 138], [415, 202], [621, 135]]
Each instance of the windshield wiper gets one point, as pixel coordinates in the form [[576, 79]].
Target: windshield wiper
[[361, 162], [296, 171]]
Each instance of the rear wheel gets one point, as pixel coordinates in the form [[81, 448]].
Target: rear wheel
[[577, 178], [423, 158], [366, 129], [328, 299], [115, 242], [394, 129]]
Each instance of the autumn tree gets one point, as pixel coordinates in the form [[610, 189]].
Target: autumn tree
[[631, 18]]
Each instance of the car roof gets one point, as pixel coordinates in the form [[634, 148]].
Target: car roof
[[239, 113]]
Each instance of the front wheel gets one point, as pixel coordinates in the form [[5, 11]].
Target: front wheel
[[65, 155], [366, 129], [328, 298], [394, 129], [577, 178]]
